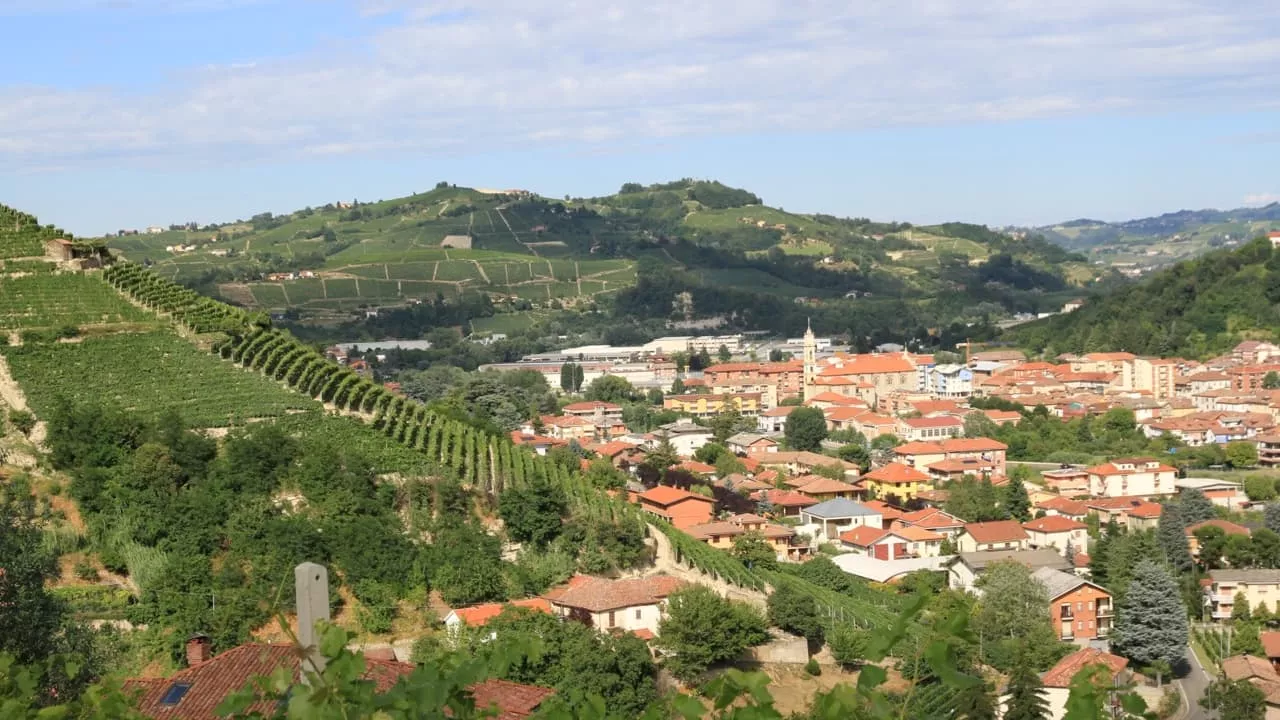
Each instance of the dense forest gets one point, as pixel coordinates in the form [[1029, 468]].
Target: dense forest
[[1194, 309]]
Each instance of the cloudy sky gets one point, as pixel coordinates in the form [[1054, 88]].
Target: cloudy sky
[[123, 113]]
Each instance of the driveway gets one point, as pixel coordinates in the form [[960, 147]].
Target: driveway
[[1194, 686]]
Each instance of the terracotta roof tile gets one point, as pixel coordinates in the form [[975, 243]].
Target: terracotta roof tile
[[666, 496], [479, 615], [600, 595], [1228, 528], [996, 531], [1053, 524], [896, 474], [1059, 676]]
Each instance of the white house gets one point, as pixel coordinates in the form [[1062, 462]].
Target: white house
[[1057, 681], [685, 435], [1129, 477], [994, 535], [636, 605], [1059, 533], [774, 420], [829, 519], [949, 381], [964, 569]]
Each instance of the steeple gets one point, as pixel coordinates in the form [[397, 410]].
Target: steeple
[[810, 359]]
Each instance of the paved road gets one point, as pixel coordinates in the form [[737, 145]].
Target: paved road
[[1194, 686]]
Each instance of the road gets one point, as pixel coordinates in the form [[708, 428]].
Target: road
[[1194, 686]]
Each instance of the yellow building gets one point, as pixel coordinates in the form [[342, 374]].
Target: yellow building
[[896, 479], [707, 406]]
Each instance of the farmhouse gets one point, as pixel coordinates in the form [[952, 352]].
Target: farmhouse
[[636, 605]]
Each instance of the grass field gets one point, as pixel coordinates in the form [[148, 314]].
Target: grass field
[[149, 373], [505, 323]]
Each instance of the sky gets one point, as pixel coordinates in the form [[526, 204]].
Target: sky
[[127, 113]]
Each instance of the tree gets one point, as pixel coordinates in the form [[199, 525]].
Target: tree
[[1151, 623], [1260, 488], [611, 389], [854, 453], [1026, 695], [1235, 700], [1195, 506], [702, 629], [1016, 502], [1173, 538], [1265, 548], [32, 616], [805, 429], [1271, 518], [1012, 618], [796, 612], [1246, 639], [723, 354], [978, 425], [663, 456], [1212, 543], [754, 551], [566, 378], [727, 423], [1271, 381], [976, 702], [974, 500], [848, 644], [1240, 609], [1242, 454], [677, 387], [533, 513]]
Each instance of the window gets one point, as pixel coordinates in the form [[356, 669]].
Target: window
[[1079, 624], [612, 619], [1089, 605], [1079, 606], [174, 694], [638, 611], [1090, 624]]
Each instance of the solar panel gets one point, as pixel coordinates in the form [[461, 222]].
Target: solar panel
[[174, 694]]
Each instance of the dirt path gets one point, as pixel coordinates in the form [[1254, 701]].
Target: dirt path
[[480, 268], [526, 245], [12, 395]]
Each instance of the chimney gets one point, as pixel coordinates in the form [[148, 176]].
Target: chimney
[[311, 586], [199, 650]]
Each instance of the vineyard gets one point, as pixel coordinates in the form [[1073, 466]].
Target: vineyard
[[47, 300], [150, 373], [486, 460], [21, 235]]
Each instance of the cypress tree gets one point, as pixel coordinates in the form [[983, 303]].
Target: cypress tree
[[1026, 695], [1017, 504], [1172, 534], [975, 702], [1151, 623]]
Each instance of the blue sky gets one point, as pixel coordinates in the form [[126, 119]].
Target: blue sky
[[126, 113]]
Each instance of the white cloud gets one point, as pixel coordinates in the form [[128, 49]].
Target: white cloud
[[1258, 199], [486, 73]]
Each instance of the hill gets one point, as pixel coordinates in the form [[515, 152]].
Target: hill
[[1164, 239], [1195, 308], [523, 252]]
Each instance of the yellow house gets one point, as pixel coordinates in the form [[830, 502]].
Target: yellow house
[[707, 406], [896, 479]]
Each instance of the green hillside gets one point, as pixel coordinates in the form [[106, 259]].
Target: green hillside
[[1196, 308], [529, 253]]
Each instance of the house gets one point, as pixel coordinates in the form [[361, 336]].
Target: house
[[774, 420], [479, 615], [708, 406], [994, 535], [930, 428], [785, 503], [897, 480], [1260, 587], [1063, 534], [684, 435], [679, 507], [892, 544], [1144, 477], [594, 410], [932, 519], [568, 427], [824, 488], [1063, 507], [1268, 449], [1223, 493], [723, 534], [635, 604], [965, 568], [195, 692], [744, 443], [1271, 646], [919, 455], [949, 381], [1227, 528], [1259, 673], [1057, 680], [1079, 609], [799, 461], [1134, 513], [833, 517]]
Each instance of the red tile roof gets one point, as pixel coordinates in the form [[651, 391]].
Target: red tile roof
[[972, 445], [228, 672], [825, 486], [933, 422], [694, 466], [996, 531], [1271, 643], [887, 511], [1065, 506], [863, 535], [1112, 469], [479, 615], [601, 595], [1053, 524], [666, 496], [896, 474], [784, 498], [932, 518], [1228, 528], [1059, 676], [870, 365], [590, 406], [919, 448]]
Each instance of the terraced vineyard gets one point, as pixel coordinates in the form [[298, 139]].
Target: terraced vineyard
[[21, 235], [149, 373], [49, 301]]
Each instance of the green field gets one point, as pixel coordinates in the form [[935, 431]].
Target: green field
[[53, 301], [150, 373]]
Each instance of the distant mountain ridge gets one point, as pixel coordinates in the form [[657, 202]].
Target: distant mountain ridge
[[1084, 233]]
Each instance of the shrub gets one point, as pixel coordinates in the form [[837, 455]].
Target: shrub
[[23, 420], [86, 571], [812, 667]]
